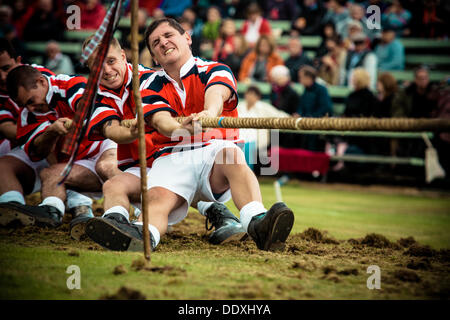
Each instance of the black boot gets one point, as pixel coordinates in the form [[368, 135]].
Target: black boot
[[227, 225], [80, 216]]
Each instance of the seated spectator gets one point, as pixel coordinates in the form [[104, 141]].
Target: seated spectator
[[386, 89], [174, 8], [255, 25], [56, 61], [21, 14], [361, 102], [212, 25], [418, 100], [357, 13], [297, 57], [224, 44], [126, 36], [44, 25], [360, 56], [258, 63], [196, 39], [310, 19], [434, 19], [336, 11], [331, 63], [281, 9], [390, 51], [283, 96], [240, 51], [253, 107], [328, 31], [315, 102], [92, 14], [396, 18], [197, 24]]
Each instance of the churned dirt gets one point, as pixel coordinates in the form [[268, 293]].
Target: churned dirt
[[407, 266]]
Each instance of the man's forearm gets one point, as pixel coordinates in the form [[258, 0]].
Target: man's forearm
[[9, 130], [44, 143]]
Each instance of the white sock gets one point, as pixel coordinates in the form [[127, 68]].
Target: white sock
[[75, 199], [202, 206], [54, 202], [153, 230], [250, 210], [118, 209], [12, 196]]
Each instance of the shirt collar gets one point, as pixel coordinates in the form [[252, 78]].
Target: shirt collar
[[49, 95], [185, 68]]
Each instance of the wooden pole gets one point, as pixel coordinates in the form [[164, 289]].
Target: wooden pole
[[140, 117]]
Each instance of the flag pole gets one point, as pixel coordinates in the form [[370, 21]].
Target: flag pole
[[141, 129]]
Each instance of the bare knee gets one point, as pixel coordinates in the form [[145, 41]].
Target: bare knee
[[106, 168]]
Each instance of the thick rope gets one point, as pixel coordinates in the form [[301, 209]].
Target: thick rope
[[325, 124]]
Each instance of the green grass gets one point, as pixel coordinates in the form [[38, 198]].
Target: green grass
[[33, 262]]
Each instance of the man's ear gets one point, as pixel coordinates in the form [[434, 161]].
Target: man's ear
[[188, 38], [19, 60]]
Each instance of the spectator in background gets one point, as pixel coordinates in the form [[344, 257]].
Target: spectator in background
[[386, 90], [310, 19], [395, 17], [253, 107], [328, 32], [174, 8], [390, 51], [416, 100], [240, 51], [197, 24], [196, 39], [224, 44], [21, 14], [44, 24], [360, 56], [331, 63], [297, 57], [281, 9], [56, 61], [258, 63], [435, 19], [357, 12], [92, 14], [126, 36], [314, 102], [361, 102], [336, 11], [255, 25], [284, 97], [211, 28]]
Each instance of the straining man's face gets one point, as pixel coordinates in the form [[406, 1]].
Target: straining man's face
[[114, 68]]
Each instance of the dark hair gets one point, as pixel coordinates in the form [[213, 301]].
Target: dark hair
[[255, 90], [5, 45], [309, 71], [155, 24], [22, 76]]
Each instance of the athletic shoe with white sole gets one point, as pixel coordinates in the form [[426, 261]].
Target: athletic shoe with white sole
[[227, 226], [270, 229], [114, 232]]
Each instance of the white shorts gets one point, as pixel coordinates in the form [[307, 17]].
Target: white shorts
[[91, 162], [37, 166], [187, 173], [5, 147]]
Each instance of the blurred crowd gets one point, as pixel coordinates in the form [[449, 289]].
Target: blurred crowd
[[357, 50]]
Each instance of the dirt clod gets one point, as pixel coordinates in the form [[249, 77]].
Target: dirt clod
[[376, 241], [314, 235], [407, 242], [422, 264], [348, 272], [417, 250], [74, 253], [119, 270], [125, 293]]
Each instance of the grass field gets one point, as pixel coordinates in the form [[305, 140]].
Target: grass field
[[339, 231]]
